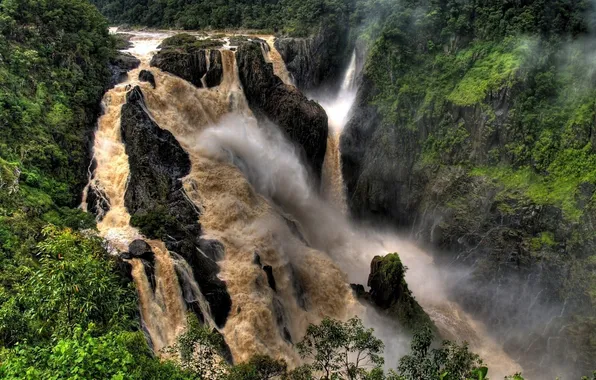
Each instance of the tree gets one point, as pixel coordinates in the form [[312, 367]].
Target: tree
[[86, 356], [450, 362], [74, 284], [199, 350], [259, 367], [341, 348]]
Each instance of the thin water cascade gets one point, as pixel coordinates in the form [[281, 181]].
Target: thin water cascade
[[279, 66], [338, 110]]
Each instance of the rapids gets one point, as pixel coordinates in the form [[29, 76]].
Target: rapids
[[255, 197]]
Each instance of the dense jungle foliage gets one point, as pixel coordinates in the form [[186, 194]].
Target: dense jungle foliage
[[293, 17]]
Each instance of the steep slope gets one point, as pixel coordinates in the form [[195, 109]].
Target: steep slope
[[480, 142]]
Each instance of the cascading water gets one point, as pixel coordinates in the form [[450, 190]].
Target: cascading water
[[255, 198], [337, 110], [162, 308]]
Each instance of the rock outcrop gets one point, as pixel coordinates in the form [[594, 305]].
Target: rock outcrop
[[157, 203], [191, 65], [120, 65], [318, 60], [147, 76], [303, 121], [389, 293]]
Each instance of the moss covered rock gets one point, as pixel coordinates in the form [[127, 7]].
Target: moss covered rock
[[389, 292]]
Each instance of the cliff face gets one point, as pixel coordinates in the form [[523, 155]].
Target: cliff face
[[303, 121], [318, 60], [456, 202], [203, 68], [158, 206]]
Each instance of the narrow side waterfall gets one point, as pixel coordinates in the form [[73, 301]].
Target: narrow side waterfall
[[279, 66], [338, 110]]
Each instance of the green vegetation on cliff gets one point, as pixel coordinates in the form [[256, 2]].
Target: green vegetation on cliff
[[486, 137]]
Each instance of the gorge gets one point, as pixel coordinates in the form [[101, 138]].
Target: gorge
[[216, 192], [254, 205]]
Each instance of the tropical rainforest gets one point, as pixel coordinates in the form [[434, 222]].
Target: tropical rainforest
[[474, 129]]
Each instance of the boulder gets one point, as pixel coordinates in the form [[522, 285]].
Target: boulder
[[270, 279], [188, 66], [120, 65], [303, 121], [389, 292], [139, 249], [191, 65], [147, 76], [157, 203], [97, 202]]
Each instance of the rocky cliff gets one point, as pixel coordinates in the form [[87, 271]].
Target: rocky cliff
[[201, 67], [303, 121], [157, 203], [316, 61], [449, 197]]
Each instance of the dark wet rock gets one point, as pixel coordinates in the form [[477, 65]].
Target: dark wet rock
[[124, 269], [126, 256], [191, 65], [186, 65], [359, 290], [298, 288], [140, 249], [224, 349], [97, 202], [125, 61], [257, 260], [157, 203], [123, 41], [303, 121], [389, 291], [213, 249], [147, 76], [317, 60], [270, 278], [281, 320], [214, 75], [149, 268], [120, 65]]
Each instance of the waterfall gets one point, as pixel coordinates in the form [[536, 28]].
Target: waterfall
[[338, 110], [279, 66], [162, 305], [350, 76], [256, 199]]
